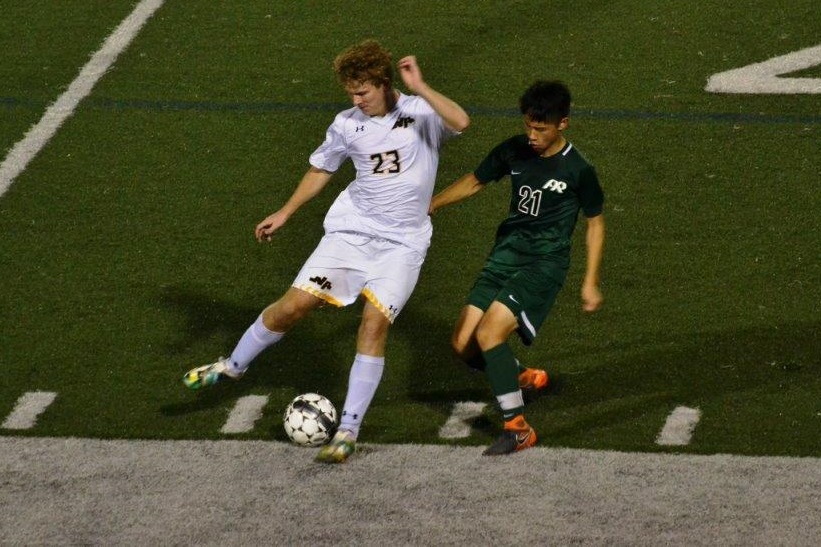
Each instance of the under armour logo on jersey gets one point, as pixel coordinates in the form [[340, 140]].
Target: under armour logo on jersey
[[403, 122], [323, 282], [555, 186], [359, 128]]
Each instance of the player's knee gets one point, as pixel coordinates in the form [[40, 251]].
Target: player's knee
[[461, 346], [466, 350], [373, 328], [283, 314], [488, 337]]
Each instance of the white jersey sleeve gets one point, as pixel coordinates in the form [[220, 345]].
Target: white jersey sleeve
[[334, 150]]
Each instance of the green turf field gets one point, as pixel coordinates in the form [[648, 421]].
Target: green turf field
[[128, 253]]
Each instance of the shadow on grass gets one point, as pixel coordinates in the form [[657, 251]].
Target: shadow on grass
[[699, 365], [314, 356], [634, 386], [616, 402], [693, 370], [435, 376]]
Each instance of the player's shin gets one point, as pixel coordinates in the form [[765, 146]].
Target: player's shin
[[364, 378], [255, 339], [503, 374]]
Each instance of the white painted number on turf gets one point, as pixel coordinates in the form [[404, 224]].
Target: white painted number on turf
[[28, 407], [458, 426], [766, 77]]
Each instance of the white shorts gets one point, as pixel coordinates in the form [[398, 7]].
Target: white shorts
[[345, 265]]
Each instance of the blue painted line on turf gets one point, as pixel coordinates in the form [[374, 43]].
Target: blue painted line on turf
[[723, 117], [266, 107], [12, 102], [244, 107]]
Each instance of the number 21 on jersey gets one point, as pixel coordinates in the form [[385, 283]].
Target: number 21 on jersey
[[529, 200]]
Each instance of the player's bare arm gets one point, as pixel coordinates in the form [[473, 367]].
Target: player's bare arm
[[591, 294], [464, 187], [311, 184], [456, 119]]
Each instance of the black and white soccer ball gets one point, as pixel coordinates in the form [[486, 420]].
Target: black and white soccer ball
[[310, 420]]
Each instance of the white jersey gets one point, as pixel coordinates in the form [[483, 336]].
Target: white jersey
[[395, 157]]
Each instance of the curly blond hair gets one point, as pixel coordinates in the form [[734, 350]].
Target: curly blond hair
[[365, 62]]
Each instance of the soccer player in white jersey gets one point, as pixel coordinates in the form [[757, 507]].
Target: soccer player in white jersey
[[376, 232]]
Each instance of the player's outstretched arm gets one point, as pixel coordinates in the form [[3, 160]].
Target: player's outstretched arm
[[313, 181], [456, 119], [464, 187], [591, 294]]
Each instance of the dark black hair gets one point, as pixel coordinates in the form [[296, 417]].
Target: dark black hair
[[546, 101]]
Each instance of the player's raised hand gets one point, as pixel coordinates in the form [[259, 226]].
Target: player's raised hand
[[269, 225], [410, 72]]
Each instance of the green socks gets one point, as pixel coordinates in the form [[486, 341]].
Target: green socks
[[503, 372]]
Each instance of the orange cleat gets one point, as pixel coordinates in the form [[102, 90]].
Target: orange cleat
[[517, 436], [533, 378]]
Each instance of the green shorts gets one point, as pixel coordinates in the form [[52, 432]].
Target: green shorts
[[528, 291]]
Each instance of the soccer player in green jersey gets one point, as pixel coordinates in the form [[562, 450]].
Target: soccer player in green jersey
[[551, 181]]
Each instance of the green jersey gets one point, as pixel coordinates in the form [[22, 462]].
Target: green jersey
[[546, 196]]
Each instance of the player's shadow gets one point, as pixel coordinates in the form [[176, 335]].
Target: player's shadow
[[435, 376], [691, 369], [305, 360], [205, 317], [627, 382]]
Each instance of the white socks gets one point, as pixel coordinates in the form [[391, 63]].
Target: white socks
[[366, 373], [255, 339]]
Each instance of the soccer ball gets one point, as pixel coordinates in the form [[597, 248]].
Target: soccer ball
[[310, 420]]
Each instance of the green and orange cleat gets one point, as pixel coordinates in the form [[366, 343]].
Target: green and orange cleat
[[208, 375], [340, 447], [533, 382], [517, 436]]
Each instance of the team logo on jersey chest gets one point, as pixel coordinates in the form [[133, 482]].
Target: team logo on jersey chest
[[403, 122], [554, 185]]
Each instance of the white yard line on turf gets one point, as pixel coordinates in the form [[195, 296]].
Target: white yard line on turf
[[458, 424], [27, 409], [24, 151], [678, 430], [245, 414]]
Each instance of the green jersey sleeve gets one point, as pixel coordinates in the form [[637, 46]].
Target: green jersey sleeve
[[591, 196], [495, 165]]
